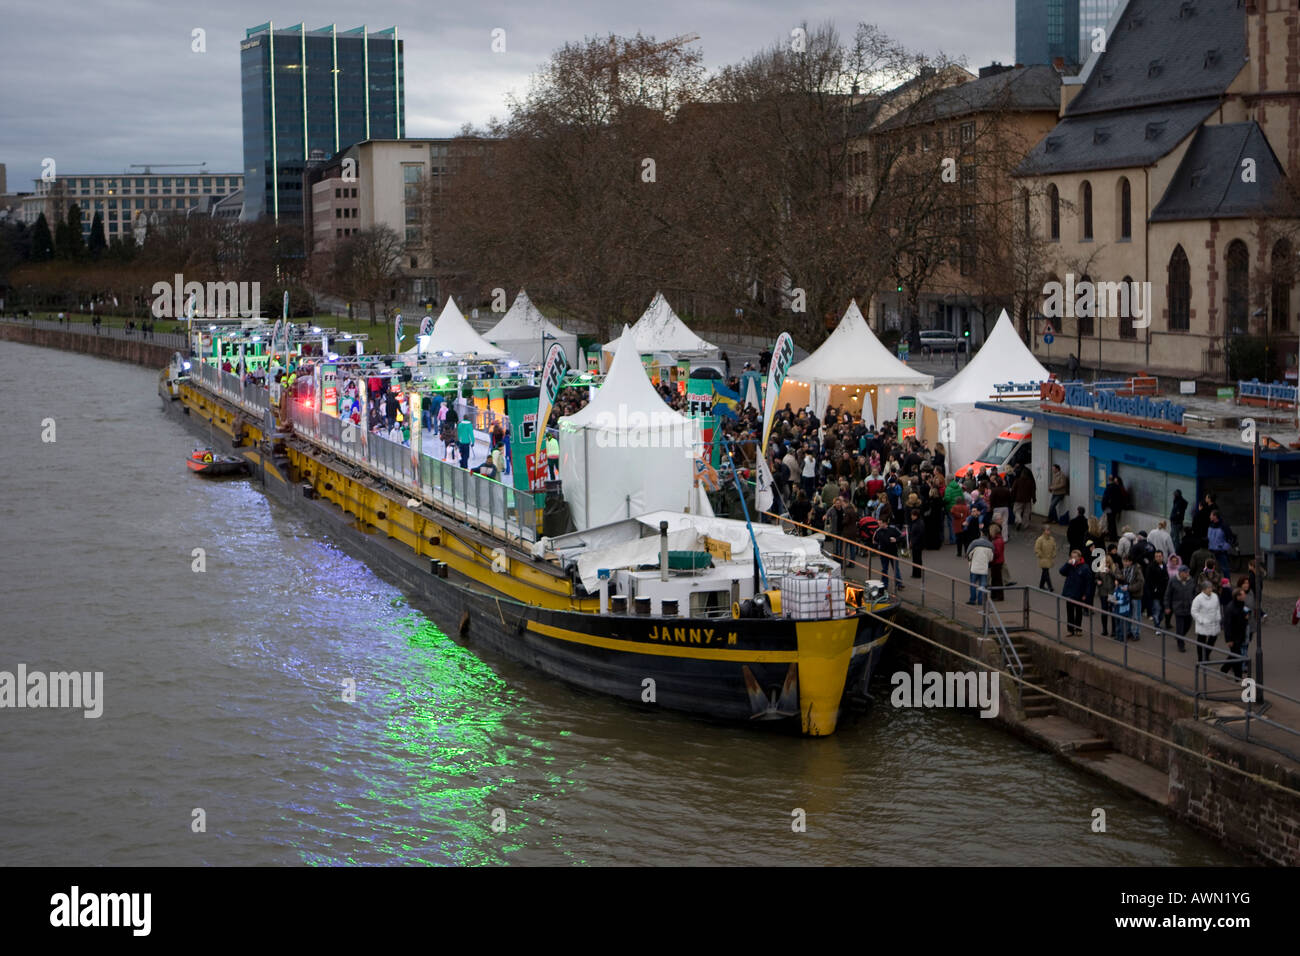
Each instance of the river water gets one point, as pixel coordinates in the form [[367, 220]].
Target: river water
[[224, 704]]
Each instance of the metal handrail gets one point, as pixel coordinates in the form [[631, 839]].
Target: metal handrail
[[1254, 710], [1009, 653]]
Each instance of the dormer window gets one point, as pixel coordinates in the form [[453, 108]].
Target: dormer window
[[1211, 58], [1187, 10], [1154, 68], [1156, 129], [1100, 135], [1052, 144]]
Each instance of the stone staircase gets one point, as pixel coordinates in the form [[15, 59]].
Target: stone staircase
[[1034, 703]]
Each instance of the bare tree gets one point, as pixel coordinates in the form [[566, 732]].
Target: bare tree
[[366, 265]]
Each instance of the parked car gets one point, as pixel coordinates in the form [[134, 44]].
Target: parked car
[[941, 340]]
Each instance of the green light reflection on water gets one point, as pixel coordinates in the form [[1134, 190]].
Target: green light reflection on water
[[453, 743]]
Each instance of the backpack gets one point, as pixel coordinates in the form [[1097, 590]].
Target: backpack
[[867, 527]]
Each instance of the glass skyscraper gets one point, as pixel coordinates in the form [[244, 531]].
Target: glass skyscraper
[[1045, 30], [311, 92], [1093, 15]]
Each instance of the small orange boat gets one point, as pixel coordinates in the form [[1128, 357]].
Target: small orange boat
[[204, 462]]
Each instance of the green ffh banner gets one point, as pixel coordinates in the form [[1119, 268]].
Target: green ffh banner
[[521, 409], [906, 418]]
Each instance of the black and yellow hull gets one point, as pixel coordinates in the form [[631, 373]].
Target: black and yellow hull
[[764, 671]]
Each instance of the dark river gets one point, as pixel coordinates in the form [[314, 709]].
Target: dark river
[[223, 691]]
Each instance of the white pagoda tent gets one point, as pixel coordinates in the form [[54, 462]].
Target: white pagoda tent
[[854, 371], [520, 332], [1003, 359], [660, 330], [627, 452], [451, 333]]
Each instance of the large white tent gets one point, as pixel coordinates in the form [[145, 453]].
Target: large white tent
[[627, 452], [851, 369], [1002, 359], [451, 333], [520, 332], [660, 330]]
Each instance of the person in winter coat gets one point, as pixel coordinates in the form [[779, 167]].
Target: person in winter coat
[[1161, 540], [886, 542], [1207, 617], [916, 537], [1235, 619], [1001, 500], [952, 494], [1121, 601], [958, 515], [1218, 538], [1176, 515], [1135, 583], [979, 555], [1058, 487], [1113, 502], [1106, 578], [1045, 552], [997, 567], [1201, 520], [1178, 599], [1157, 582], [932, 517], [1023, 492], [1076, 532], [1077, 587]]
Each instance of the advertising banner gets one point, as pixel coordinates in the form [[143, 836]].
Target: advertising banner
[[782, 359], [553, 369], [521, 409], [906, 418], [329, 389]]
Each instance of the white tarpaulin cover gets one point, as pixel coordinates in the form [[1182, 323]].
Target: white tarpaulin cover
[[851, 355], [686, 533], [1003, 358], [627, 452], [520, 333], [451, 333], [660, 330]]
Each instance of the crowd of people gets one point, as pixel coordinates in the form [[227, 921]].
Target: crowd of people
[[867, 489]]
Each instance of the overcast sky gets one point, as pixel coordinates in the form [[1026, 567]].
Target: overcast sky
[[100, 84]]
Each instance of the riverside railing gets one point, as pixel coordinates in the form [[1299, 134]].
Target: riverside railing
[[848, 552], [1152, 654], [169, 340], [481, 501]]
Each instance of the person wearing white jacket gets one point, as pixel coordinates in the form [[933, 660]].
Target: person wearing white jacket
[[980, 555], [1207, 616]]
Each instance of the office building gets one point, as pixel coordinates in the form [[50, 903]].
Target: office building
[[1094, 15], [128, 203], [1047, 30], [312, 90]]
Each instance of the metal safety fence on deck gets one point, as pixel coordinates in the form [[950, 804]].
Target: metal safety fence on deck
[[481, 501]]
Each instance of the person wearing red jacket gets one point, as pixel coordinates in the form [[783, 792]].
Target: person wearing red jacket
[[998, 563]]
